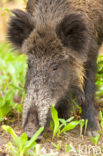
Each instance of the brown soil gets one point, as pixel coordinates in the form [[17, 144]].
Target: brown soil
[[81, 145]]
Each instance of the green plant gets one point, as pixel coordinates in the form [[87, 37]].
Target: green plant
[[57, 146], [21, 145], [95, 139], [12, 79], [4, 11], [101, 119], [60, 125], [68, 147], [99, 77], [83, 124]]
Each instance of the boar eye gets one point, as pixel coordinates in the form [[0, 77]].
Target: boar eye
[[55, 67]]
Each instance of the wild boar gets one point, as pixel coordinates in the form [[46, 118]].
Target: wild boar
[[61, 39]]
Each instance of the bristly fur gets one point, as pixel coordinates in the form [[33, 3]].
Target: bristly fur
[[73, 31], [20, 27], [60, 38]]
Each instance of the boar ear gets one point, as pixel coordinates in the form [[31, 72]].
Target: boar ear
[[19, 27], [31, 6], [73, 32]]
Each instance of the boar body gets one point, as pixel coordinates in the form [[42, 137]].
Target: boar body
[[61, 39]]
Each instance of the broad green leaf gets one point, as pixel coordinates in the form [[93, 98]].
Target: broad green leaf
[[69, 126], [64, 122], [95, 139], [23, 140], [30, 143], [55, 118], [12, 149], [68, 148], [13, 134]]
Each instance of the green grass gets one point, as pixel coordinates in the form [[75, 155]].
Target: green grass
[[59, 126], [12, 80]]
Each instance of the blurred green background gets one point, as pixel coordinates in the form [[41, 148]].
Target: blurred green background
[[12, 66]]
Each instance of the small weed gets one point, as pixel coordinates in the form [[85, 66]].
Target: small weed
[[95, 139], [101, 119], [21, 145], [83, 124], [68, 147], [60, 125], [57, 146], [99, 77]]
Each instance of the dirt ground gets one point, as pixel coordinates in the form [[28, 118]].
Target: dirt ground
[[80, 145]]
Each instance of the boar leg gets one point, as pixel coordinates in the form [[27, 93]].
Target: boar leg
[[88, 106]]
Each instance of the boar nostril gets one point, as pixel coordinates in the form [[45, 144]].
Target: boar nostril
[[36, 90]]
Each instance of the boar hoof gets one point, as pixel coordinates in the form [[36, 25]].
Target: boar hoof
[[92, 128], [92, 133]]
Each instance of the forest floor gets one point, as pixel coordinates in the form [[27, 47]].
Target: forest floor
[[79, 145]]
